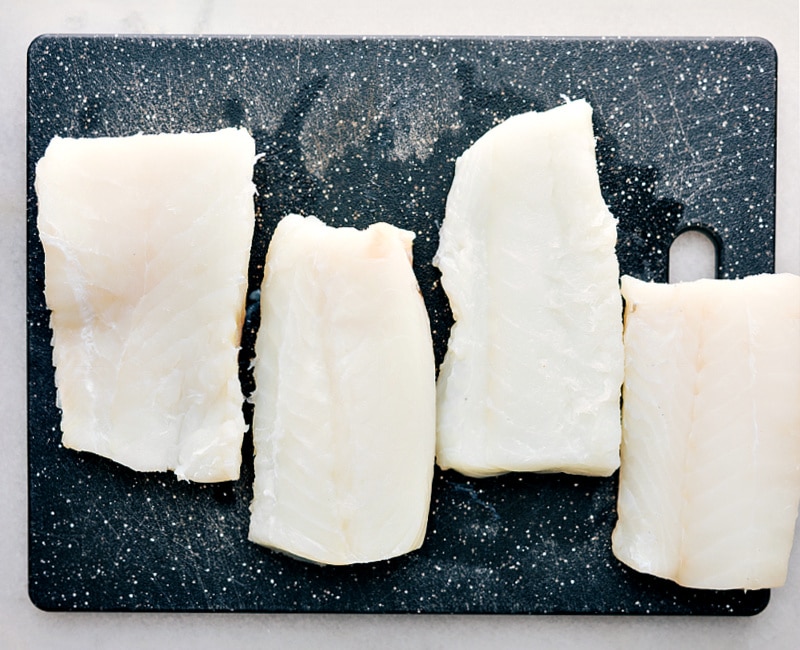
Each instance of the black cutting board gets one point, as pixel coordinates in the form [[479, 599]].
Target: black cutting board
[[357, 130]]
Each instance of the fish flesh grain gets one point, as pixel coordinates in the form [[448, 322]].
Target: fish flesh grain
[[710, 474], [531, 378], [344, 408], [147, 242]]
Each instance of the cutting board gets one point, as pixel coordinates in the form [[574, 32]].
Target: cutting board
[[358, 130]]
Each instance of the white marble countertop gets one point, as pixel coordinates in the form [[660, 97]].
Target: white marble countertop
[[24, 626]]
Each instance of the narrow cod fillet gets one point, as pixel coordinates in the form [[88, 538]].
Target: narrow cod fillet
[[344, 420], [531, 379], [147, 241], [710, 475]]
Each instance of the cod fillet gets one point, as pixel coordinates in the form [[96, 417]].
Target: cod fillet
[[710, 474], [344, 407], [147, 241], [531, 378]]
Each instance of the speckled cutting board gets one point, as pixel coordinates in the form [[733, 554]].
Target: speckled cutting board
[[356, 131]]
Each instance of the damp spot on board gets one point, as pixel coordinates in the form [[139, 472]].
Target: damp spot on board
[[233, 112], [647, 223]]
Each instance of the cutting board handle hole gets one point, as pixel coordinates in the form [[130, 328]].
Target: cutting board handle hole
[[693, 254]]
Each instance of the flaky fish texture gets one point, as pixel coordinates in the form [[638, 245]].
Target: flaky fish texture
[[710, 475], [531, 378], [147, 241], [344, 407]]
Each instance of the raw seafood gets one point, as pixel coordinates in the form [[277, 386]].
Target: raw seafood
[[344, 417], [710, 475], [531, 378], [147, 241]]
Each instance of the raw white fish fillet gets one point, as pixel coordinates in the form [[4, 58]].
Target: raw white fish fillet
[[710, 475], [147, 241], [344, 418], [531, 379]]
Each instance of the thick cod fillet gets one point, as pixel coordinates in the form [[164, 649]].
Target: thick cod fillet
[[531, 378], [147, 241], [710, 474], [344, 408]]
